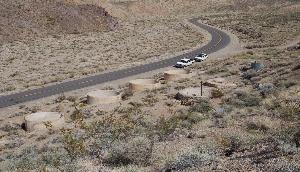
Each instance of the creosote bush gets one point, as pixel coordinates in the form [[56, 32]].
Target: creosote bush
[[149, 100], [121, 140], [184, 119], [216, 93], [244, 99], [32, 158], [137, 151], [286, 107], [256, 126], [201, 106], [74, 143], [192, 159], [126, 94]]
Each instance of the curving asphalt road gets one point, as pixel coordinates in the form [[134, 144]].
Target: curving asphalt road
[[218, 41]]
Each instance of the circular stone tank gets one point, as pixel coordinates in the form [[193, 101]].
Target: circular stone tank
[[39, 121], [143, 84], [196, 92], [103, 97], [173, 75]]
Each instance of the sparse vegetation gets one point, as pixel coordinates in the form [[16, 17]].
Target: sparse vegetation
[[194, 159], [244, 99], [249, 123], [201, 106], [216, 93]]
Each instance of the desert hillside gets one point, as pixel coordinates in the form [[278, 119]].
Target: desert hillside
[[238, 110], [55, 41], [29, 19]]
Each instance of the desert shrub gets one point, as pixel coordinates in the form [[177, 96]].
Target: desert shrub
[[9, 88], [100, 112], [256, 66], [179, 96], [129, 168], [216, 93], [256, 126], [209, 84], [187, 119], [286, 84], [189, 160], [60, 98], [104, 133], [289, 107], [250, 52], [137, 151], [71, 98], [32, 158], [10, 127], [296, 138], [126, 94], [77, 116], [244, 99], [161, 90], [289, 139], [32, 109], [287, 147], [216, 70], [165, 127], [266, 89], [229, 144], [201, 106], [134, 109], [250, 74], [286, 167], [218, 118], [27, 160], [149, 100], [136, 105], [74, 143], [15, 143]]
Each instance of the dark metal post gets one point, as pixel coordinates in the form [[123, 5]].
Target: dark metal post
[[201, 88]]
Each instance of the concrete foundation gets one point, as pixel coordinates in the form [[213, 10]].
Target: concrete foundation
[[174, 75], [103, 97], [39, 121], [143, 84]]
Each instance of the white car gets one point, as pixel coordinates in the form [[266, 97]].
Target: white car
[[201, 57], [184, 63]]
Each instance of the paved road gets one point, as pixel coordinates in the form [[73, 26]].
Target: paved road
[[219, 40]]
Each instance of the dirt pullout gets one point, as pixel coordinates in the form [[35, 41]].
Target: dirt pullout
[[28, 19]]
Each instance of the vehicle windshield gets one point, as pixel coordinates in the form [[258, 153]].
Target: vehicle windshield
[[184, 61]]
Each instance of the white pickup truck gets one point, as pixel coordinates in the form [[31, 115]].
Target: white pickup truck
[[201, 57], [184, 63]]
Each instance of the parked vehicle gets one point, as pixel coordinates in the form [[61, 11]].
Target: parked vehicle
[[201, 57], [184, 63]]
